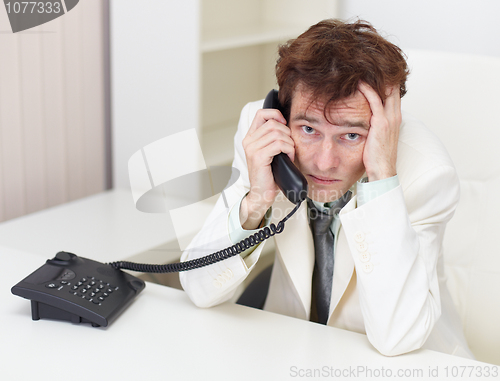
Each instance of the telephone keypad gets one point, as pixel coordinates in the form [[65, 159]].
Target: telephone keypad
[[95, 290]]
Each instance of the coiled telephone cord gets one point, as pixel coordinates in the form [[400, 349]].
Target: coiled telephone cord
[[245, 244]]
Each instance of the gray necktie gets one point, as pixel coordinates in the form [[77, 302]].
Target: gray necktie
[[323, 266]]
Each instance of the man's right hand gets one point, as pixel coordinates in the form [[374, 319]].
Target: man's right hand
[[267, 136]]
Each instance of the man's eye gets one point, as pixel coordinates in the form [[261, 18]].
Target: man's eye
[[352, 136], [308, 130]]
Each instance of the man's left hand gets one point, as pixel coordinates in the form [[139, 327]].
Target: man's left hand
[[380, 152]]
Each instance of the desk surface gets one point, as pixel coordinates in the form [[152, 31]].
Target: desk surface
[[106, 226], [163, 335]]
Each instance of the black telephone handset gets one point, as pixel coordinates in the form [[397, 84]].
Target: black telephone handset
[[289, 179], [68, 287]]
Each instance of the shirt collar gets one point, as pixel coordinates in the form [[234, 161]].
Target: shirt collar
[[337, 205]]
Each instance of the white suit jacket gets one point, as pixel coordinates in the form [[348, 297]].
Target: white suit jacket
[[388, 277]]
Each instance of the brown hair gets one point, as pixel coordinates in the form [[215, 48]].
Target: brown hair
[[330, 59]]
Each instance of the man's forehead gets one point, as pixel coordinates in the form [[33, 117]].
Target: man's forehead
[[351, 111]]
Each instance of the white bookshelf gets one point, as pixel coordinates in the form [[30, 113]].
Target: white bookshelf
[[238, 51], [217, 40]]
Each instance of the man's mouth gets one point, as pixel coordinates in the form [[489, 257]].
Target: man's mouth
[[323, 180]]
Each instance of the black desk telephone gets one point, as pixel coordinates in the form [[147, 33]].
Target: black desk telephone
[[77, 289]]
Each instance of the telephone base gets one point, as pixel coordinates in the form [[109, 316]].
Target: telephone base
[[77, 289], [44, 311]]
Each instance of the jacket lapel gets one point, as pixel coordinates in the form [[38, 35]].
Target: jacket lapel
[[343, 264], [296, 248]]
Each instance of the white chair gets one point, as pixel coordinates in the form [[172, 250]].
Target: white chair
[[458, 97]]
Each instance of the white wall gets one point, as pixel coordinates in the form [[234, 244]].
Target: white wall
[[461, 26], [154, 75]]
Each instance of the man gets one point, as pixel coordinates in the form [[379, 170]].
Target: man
[[380, 272]]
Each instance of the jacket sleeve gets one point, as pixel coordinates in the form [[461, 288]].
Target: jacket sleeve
[[214, 284], [396, 241]]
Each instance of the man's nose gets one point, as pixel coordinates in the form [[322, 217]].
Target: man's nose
[[327, 156]]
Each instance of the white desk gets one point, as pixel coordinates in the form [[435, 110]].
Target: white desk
[[105, 226], [162, 335]]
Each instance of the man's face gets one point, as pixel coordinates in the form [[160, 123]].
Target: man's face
[[329, 153]]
